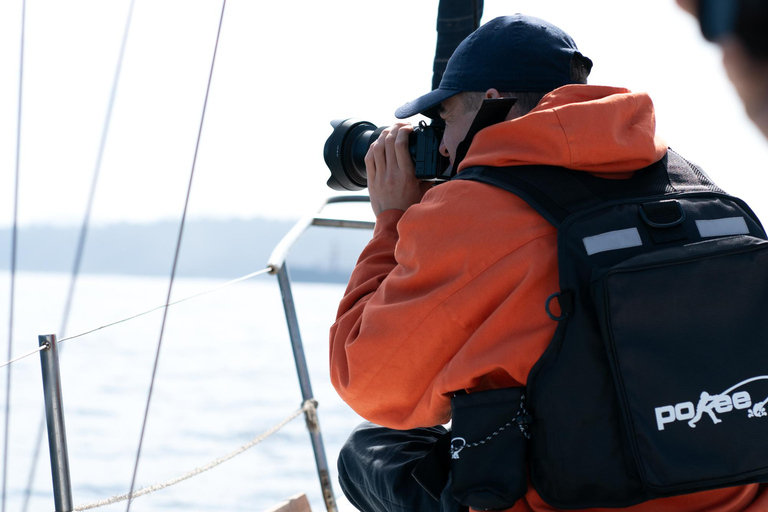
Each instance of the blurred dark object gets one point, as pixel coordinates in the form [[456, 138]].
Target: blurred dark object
[[456, 19], [745, 19]]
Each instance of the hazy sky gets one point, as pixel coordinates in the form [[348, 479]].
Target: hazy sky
[[283, 71]]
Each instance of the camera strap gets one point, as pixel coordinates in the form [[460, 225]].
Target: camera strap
[[492, 111]]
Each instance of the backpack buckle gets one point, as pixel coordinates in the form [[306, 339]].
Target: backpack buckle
[[662, 214]]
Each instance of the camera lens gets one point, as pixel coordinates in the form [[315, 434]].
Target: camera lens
[[345, 151]]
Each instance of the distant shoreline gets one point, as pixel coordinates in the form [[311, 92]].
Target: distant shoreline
[[210, 248]]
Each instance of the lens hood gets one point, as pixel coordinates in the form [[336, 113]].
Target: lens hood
[[345, 150]]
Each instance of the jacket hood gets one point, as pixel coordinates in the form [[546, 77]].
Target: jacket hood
[[602, 130]]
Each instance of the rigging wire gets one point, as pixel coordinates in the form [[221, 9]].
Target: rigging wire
[[84, 229], [14, 247], [228, 283], [30, 353], [175, 259], [190, 297]]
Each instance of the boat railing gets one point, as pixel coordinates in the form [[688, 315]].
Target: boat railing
[[277, 266]]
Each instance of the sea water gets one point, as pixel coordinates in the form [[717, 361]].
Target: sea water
[[225, 375]]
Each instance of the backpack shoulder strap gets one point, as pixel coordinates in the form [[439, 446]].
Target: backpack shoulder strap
[[553, 192], [556, 193], [685, 176]]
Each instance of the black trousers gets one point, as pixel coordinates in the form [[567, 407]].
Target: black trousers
[[375, 466]]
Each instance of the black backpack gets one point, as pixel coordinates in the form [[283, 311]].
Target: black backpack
[[656, 381]]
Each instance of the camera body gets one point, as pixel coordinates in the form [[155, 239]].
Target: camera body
[[424, 146], [745, 19], [347, 146]]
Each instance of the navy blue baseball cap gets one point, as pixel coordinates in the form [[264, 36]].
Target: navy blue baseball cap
[[511, 54]]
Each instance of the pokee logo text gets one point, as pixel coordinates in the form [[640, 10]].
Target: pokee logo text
[[713, 405]]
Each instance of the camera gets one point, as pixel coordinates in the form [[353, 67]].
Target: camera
[[345, 151], [745, 19]]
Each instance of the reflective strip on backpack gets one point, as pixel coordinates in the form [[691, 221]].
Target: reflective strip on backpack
[[612, 240], [722, 227]]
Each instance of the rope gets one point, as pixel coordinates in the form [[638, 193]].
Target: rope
[[307, 407], [176, 257], [14, 250]]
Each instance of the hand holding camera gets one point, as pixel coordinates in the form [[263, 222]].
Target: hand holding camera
[[347, 146], [392, 183]]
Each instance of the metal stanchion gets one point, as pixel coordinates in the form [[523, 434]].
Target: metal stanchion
[[277, 267], [54, 415], [306, 388]]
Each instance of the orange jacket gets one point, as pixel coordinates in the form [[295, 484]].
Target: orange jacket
[[450, 294]]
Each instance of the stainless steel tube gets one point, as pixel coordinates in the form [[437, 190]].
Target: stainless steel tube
[[54, 415], [306, 388]]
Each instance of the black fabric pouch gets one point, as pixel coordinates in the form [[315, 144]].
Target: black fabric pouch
[[488, 448]]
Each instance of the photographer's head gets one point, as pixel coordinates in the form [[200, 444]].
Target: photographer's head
[[519, 56], [459, 111]]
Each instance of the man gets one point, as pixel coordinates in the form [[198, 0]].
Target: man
[[449, 295]]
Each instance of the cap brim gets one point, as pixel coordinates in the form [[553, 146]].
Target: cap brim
[[427, 105]]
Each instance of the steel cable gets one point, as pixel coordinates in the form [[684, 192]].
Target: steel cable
[[84, 228], [14, 250], [132, 317], [228, 283], [175, 260]]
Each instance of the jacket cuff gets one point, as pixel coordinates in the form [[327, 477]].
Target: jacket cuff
[[386, 223]]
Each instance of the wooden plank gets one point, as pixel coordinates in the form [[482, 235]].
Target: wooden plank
[[297, 503]]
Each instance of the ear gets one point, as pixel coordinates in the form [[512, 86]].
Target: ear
[[492, 94]]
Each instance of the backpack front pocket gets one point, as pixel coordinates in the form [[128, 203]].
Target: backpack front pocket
[[686, 332]]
